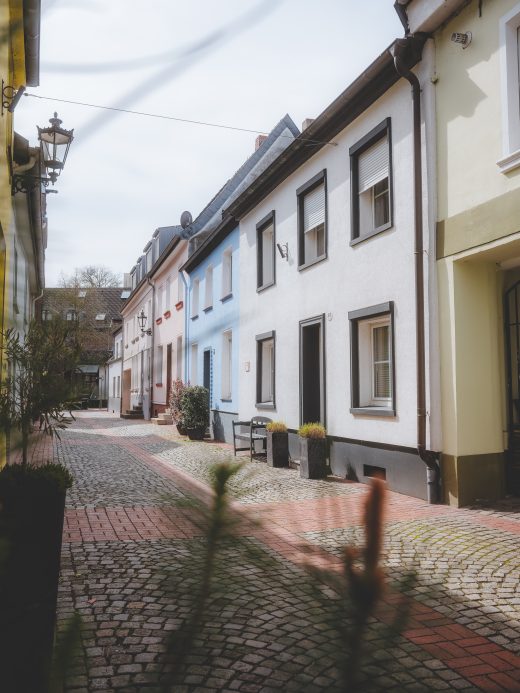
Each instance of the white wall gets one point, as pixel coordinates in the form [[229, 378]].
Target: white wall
[[377, 270]]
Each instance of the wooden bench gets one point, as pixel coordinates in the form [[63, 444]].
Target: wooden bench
[[250, 431]]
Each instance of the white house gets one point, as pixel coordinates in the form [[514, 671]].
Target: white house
[[329, 332], [114, 371]]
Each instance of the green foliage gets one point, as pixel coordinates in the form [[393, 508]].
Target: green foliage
[[16, 479], [312, 430], [277, 427], [175, 402], [38, 384], [195, 407]]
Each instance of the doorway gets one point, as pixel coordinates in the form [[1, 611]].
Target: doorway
[[168, 373], [206, 373], [512, 339], [312, 370]]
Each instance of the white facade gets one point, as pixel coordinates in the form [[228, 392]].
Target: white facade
[[114, 374], [353, 276], [137, 345]]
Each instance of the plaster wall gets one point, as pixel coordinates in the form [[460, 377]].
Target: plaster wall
[[377, 270], [206, 331], [137, 348]]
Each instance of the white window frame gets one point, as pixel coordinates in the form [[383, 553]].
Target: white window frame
[[168, 294], [195, 298], [227, 273], [374, 325], [265, 399], [194, 364], [208, 288], [227, 361], [509, 26], [159, 359]]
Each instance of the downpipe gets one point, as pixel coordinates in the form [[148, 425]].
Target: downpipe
[[412, 45]]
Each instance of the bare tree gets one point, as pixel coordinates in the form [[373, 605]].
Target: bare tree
[[95, 276]]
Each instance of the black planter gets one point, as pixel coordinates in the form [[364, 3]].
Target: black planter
[[277, 449], [313, 458], [31, 525], [196, 433], [181, 430]]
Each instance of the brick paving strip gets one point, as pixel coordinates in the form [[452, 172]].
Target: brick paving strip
[[477, 661]]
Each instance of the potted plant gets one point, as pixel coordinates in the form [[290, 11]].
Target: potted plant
[[195, 411], [32, 499], [313, 451], [277, 444], [176, 392]]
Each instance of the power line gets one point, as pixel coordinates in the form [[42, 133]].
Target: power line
[[167, 117]]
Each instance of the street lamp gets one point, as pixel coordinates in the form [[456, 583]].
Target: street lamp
[[141, 321], [54, 147]]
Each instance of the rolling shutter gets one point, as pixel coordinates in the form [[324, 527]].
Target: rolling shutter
[[373, 165], [314, 208]]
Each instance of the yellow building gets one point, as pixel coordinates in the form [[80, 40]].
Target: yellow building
[[22, 216], [476, 77]]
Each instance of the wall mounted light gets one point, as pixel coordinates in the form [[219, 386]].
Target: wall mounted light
[[463, 38], [141, 320], [54, 147], [283, 249], [10, 97]]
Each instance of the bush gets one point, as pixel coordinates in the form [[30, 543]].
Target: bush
[[176, 392], [312, 430], [277, 427], [195, 407]]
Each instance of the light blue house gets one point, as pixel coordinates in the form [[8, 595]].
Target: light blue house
[[213, 281]]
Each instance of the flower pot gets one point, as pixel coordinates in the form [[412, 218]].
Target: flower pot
[[197, 433], [277, 449], [181, 430], [313, 458], [31, 525]]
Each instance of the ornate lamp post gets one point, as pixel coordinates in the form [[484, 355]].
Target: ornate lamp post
[[141, 320]]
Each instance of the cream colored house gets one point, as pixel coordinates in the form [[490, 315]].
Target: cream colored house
[[477, 108]]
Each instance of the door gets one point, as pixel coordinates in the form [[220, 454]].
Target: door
[[168, 373], [127, 385], [206, 374], [312, 370], [512, 339]]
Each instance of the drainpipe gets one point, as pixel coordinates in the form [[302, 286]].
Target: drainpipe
[[186, 326], [150, 283], [400, 49]]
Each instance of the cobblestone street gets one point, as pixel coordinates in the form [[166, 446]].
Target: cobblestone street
[[132, 554]]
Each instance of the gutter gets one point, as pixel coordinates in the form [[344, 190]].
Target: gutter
[[401, 51]]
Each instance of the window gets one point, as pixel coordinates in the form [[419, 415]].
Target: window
[[265, 248], [372, 360], [100, 317], [371, 180], [265, 371], [160, 303], [194, 364], [134, 280], [46, 314], [208, 288], [195, 298], [179, 358], [227, 273], [227, 349], [510, 79], [159, 366], [312, 220], [71, 315], [168, 295], [114, 386], [180, 287], [118, 386]]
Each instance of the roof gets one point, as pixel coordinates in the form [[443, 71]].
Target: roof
[[106, 300]]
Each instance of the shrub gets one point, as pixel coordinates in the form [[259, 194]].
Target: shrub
[[312, 430], [176, 392], [195, 407], [277, 427]]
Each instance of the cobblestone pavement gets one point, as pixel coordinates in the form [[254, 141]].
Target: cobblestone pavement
[[132, 557]]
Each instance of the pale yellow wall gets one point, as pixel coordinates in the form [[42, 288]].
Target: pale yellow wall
[[469, 112]]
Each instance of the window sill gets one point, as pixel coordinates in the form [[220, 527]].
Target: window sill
[[195, 317], [306, 265], [373, 411], [509, 162], [265, 405], [207, 309], [226, 297], [264, 287], [226, 399], [371, 234]]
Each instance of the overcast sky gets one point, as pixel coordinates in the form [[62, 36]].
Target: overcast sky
[[234, 62]]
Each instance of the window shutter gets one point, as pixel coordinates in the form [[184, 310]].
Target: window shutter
[[373, 165], [381, 356], [314, 208]]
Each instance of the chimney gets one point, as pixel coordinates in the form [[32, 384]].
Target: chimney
[[127, 282], [259, 141], [306, 123]]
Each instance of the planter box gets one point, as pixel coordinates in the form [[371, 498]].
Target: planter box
[[196, 433], [313, 458], [31, 526], [277, 449]]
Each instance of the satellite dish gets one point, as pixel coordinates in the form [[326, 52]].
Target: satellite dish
[[186, 219]]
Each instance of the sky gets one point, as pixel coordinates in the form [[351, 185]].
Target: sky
[[233, 62]]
